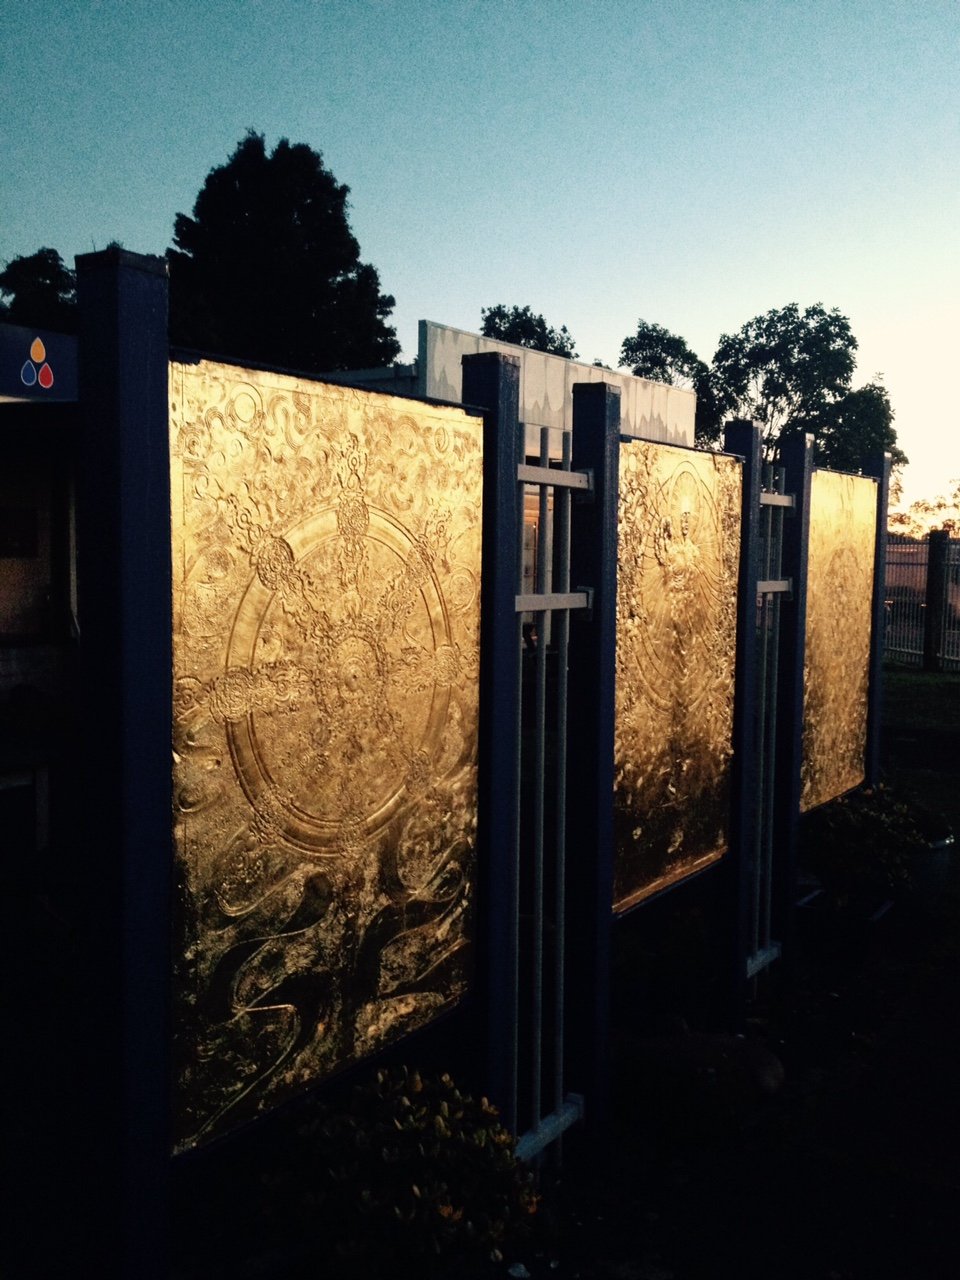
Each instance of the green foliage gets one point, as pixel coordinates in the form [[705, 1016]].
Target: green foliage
[[267, 269], [859, 427], [861, 843], [941, 512], [41, 291], [786, 370], [411, 1173], [519, 325], [656, 353]]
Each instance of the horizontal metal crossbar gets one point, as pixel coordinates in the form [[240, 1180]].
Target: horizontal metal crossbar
[[777, 500], [553, 475], [542, 603], [550, 1127], [774, 586]]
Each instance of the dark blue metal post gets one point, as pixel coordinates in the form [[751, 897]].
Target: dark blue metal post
[[491, 384], [596, 447], [879, 468], [796, 459], [125, 624], [935, 603], [744, 439]]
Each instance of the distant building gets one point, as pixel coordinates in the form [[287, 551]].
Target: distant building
[[649, 410]]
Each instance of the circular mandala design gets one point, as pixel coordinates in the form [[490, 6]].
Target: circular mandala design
[[274, 561], [353, 517], [362, 733], [233, 694]]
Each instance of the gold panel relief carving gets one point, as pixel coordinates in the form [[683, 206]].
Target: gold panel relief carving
[[326, 566], [678, 560], [843, 523]]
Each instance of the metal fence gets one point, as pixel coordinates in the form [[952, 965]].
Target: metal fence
[[922, 601]]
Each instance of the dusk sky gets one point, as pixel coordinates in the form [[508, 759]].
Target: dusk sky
[[694, 164]]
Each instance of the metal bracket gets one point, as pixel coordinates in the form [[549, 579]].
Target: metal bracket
[[588, 494]]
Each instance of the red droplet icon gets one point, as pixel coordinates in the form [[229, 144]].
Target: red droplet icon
[[45, 377]]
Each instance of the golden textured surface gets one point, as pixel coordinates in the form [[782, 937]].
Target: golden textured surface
[[678, 559], [843, 522], [326, 569]]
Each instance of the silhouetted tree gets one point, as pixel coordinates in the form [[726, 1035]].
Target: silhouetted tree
[[858, 427], [656, 353], [41, 291], [268, 269], [786, 370], [521, 326]]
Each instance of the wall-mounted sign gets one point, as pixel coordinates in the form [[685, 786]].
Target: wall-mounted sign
[[37, 365]]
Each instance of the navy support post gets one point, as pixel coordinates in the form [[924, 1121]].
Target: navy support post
[[796, 460], [745, 440], [125, 627], [491, 386], [879, 469], [596, 448], [935, 611]]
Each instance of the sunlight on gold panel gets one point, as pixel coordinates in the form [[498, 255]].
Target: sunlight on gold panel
[[843, 522], [678, 560], [326, 570]]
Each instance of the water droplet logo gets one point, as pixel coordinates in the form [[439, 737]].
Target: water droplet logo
[[30, 375]]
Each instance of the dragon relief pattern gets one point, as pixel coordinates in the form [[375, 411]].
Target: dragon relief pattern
[[836, 669], [326, 548], [678, 562]]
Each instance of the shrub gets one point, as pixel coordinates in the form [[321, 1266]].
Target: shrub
[[861, 843], [411, 1174]]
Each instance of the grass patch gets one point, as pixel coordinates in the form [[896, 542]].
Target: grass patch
[[920, 742]]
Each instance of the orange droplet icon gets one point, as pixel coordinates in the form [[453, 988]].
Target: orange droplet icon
[[38, 351]]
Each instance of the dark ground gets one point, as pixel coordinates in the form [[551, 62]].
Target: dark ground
[[851, 1168], [846, 1168], [822, 1145]]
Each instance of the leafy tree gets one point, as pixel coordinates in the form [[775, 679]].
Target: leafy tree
[[42, 292], [858, 427], [929, 513], [521, 326], [656, 353], [268, 269], [787, 370]]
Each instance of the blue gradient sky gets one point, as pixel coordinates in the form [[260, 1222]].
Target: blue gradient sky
[[694, 164]]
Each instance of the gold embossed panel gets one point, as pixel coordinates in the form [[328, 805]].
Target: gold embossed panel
[[843, 521], [326, 568], [678, 560]]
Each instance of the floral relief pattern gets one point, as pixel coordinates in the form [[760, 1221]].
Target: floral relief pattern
[[326, 560], [678, 562], [836, 669]]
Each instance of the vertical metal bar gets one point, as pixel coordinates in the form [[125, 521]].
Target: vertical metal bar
[[124, 541], [491, 382], [776, 569], [562, 499], [879, 468], [743, 438], [766, 711], [596, 446], [797, 466], [544, 544], [935, 614]]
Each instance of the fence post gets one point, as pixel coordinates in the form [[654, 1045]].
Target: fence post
[[935, 613], [596, 447], [796, 459], [744, 438], [879, 468], [491, 385], [125, 621]]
